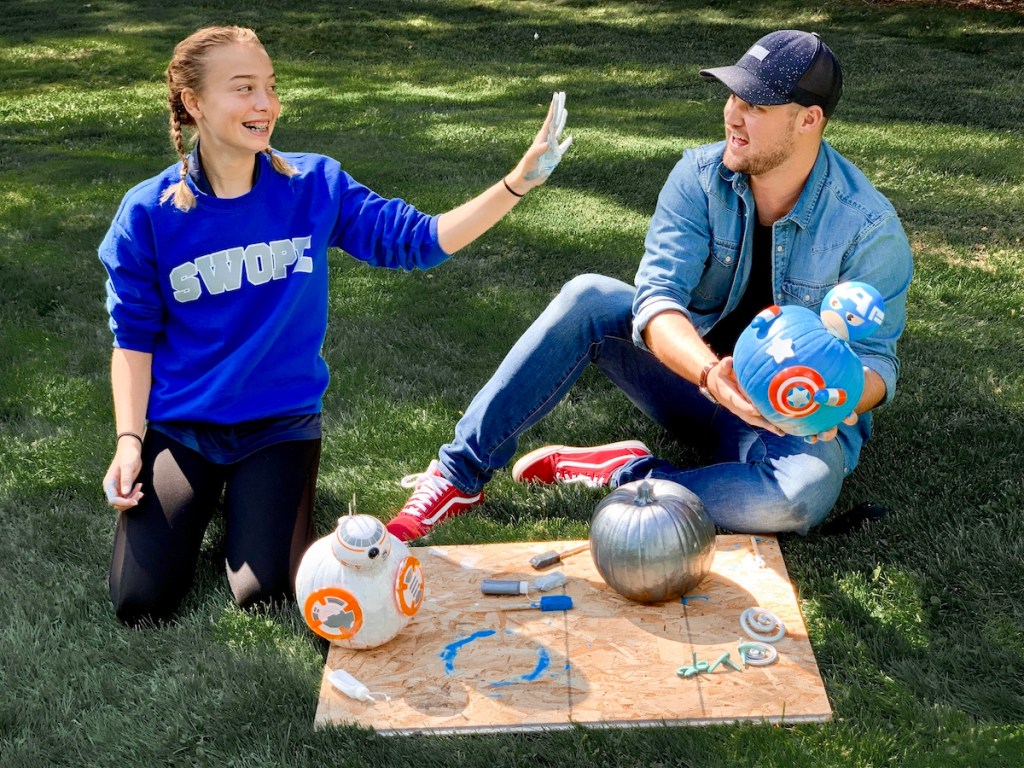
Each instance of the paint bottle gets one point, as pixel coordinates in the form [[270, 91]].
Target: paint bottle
[[504, 587], [348, 685]]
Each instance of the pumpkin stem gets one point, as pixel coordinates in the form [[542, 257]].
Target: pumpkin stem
[[644, 494]]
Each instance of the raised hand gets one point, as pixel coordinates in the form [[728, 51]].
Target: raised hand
[[552, 133], [545, 153]]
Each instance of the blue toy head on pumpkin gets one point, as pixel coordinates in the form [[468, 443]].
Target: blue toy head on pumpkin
[[852, 310]]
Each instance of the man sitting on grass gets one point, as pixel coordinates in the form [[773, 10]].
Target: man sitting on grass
[[771, 215]]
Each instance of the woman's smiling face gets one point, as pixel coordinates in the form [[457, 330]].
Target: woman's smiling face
[[237, 106]]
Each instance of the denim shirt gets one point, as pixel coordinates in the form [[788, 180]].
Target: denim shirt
[[699, 243]]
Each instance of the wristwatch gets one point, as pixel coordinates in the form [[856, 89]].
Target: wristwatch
[[702, 385]]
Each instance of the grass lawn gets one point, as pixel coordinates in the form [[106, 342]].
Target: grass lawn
[[916, 621]]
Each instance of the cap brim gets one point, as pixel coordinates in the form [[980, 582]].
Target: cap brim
[[745, 85]]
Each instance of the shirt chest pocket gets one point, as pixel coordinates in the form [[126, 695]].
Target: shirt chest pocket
[[719, 273], [804, 293]]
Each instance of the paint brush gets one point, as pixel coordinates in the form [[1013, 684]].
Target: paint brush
[[549, 558], [546, 603]]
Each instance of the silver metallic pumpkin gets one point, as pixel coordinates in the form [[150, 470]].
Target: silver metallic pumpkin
[[652, 540]]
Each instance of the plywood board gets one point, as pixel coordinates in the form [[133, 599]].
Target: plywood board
[[463, 665]]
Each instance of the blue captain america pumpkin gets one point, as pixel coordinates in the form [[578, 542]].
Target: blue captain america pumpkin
[[797, 366]]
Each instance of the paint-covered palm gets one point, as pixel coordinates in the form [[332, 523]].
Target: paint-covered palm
[[552, 131]]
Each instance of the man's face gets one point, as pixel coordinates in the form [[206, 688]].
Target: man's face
[[758, 139]]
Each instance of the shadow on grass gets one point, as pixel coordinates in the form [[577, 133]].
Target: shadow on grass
[[878, 46]]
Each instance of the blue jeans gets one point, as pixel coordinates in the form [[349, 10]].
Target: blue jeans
[[756, 481]]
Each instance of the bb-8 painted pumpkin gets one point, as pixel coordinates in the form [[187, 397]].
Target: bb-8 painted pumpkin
[[358, 586], [797, 367]]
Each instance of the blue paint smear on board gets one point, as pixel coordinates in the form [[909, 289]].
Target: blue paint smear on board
[[452, 649], [543, 662]]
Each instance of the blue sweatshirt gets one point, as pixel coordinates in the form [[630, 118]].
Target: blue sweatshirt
[[231, 297]]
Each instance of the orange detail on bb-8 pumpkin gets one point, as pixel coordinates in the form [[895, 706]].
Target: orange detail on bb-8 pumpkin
[[409, 586], [333, 613]]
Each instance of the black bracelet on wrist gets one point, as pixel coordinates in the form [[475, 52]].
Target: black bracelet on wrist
[[128, 434], [511, 191]]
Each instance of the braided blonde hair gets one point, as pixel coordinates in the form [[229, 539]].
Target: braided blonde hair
[[186, 71]]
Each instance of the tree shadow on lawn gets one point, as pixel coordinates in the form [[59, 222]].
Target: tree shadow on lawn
[[427, 43], [448, 59]]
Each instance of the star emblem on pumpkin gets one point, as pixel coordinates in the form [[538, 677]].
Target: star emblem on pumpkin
[[798, 398], [780, 349]]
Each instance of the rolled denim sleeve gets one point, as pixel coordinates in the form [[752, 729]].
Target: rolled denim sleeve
[[882, 258], [676, 248]]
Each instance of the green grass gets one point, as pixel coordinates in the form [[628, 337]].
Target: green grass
[[916, 622]]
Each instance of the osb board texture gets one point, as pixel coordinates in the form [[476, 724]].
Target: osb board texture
[[462, 665]]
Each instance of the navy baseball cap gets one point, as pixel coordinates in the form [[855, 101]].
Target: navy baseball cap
[[783, 67]]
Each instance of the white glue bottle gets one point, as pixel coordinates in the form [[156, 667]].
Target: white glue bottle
[[348, 685]]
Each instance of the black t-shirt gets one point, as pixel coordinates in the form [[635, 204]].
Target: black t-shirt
[[757, 296]]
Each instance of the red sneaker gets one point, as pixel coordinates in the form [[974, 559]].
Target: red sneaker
[[434, 501], [563, 464]]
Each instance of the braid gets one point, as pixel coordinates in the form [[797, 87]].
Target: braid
[[279, 163], [183, 198]]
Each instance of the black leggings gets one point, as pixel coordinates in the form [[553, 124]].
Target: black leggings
[[268, 510]]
